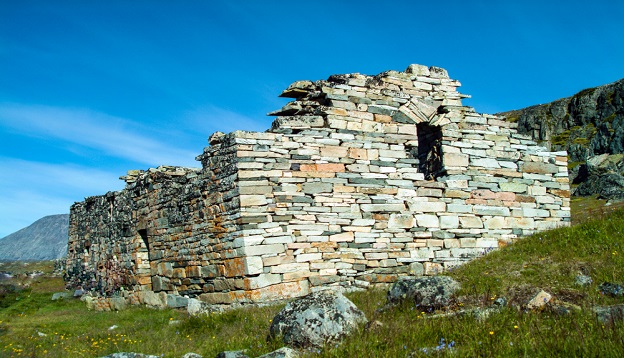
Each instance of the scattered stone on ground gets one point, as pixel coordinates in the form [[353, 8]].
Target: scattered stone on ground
[[609, 314], [583, 280], [61, 295], [500, 302], [611, 289], [538, 301], [129, 355], [192, 355], [141, 355], [283, 352], [316, 319], [232, 354], [564, 308], [478, 313], [427, 293]]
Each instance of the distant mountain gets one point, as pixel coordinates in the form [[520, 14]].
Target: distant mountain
[[45, 239], [590, 126]]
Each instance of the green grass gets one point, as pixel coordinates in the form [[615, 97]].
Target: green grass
[[548, 260]]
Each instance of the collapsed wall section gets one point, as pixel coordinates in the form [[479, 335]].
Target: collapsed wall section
[[168, 230]]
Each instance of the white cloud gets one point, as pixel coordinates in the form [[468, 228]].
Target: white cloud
[[111, 135]]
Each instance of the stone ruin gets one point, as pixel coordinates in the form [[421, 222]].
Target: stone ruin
[[360, 180]]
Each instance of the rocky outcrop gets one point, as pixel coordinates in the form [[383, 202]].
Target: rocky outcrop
[[314, 320], [45, 239], [588, 124], [602, 175]]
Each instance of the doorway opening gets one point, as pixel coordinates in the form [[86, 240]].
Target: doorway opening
[[141, 256], [430, 150]]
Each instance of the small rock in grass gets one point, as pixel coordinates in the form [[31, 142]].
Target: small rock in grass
[[583, 280], [500, 302], [232, 354], [426, 292], [283, 352], [192, 355], [60, 295], [609, 314], [129, 355], [611, 289], [564, 308], [538, 301]]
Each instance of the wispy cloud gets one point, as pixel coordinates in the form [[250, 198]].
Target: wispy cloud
[[111, 135], [31, 190]]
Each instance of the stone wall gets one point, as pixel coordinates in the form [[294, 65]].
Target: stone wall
[[361, 179]]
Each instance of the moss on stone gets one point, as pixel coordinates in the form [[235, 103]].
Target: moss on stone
[[561, 139], [581, 141], [610, 118]]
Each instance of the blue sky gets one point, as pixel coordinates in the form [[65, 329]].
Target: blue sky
[[91, 89]]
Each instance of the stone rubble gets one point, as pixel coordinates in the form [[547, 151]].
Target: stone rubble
[[360, 180]]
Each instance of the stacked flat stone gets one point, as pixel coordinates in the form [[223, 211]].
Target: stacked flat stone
[[360, 180]]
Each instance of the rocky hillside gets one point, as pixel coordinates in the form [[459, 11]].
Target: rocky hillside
[[45, 239], [590, 126]]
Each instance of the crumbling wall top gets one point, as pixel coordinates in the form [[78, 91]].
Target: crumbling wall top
[[418, 94], [164, 170]]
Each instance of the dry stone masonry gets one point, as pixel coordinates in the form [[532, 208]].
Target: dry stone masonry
[[361, 179]]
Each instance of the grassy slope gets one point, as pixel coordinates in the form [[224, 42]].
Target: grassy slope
[[549, 261]]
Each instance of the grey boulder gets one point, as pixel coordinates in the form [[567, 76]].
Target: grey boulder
[[432, 292], [61, 296], [609, 314], [130, 355], [316, 319], [232, 354], [283, 352]]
